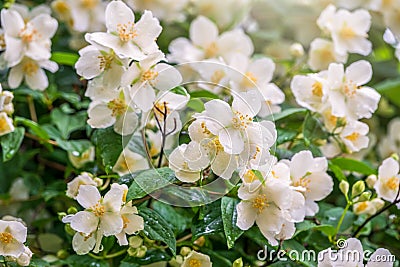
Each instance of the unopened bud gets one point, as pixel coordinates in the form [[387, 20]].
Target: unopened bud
[[185, 251], [344, 187], [296, 50], [62, 254], [371, 180], [365, 196], [61, 215], [395, 156], [135, 241], [141, 252], [238, 263], [99, 182], [176, 262], [68, 229], [200, 241], [72, 210], [358, 188]]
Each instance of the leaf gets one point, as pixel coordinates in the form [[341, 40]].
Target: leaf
[[284, 136], [304, 226], [390, 89], [11, 142], [34, 127], [148, 181], [337, 171], [299, 254], [353, 165], [68, 123], [76, 147], [329, 230], [208, 221], [156, 228], [196, 104], [50, 242], [179, 90], [108, 145], [64, 58], [229, 218], [312, 130], [178, 222], [136, 145], [286, 113], [332, 217], [84, 261], [203, 94]]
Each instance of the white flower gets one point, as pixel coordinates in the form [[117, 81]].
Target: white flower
[[132, 223], [31, 39], [369, 207], [146, 76], [354, 136], [12, 238], [6, 124], [347, 96], [87, 15], [205, 43], [233, 124], [6, 104], [28, 14], [84, 178], [94, 62], [127, 38], [32, 72], [25, 258], [353, 256], [113, 108], [387, 185], [167, 10], [84, 243], [101, 215], [196, 259], [309, 176], [391, 142], [79, 160], [129, 162], [322, 53]]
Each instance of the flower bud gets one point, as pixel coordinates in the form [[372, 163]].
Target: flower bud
[[99, 182], [365, 196], [141, 252], [357, 188], [68, 229], [62, 254], [61, 215], [185, 251], [200, 241], [135, 241], [378, 203], [344, 187], [238, 263], [72, 210], [296, 50], [371, 180], [395, 156], [176, 262]]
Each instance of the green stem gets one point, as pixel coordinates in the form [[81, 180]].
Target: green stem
[[342, 217]]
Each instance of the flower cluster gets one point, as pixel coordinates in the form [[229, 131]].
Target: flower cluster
[[341, 98], [27, 45], [348, 31], [13, 235], [387, 185], [287, 190], [6, 110], [110, 215]]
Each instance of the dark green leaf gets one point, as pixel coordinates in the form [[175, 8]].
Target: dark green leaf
[[77, 147], [353, 165], [286, 113], [332, 217], [34, 127], [68, 123], [285, 136], [11, 142], [229, 218], [108, 145], [312, 130], [337, 171], [136, 145], [178, 222], [156, 228], [209, 220]]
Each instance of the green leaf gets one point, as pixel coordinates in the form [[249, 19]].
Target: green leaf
[[68, 123], [329, 230], [136, 145], [84, 261], [390, 89], [332, 217], [64, 58], [108, 145], [286, 113], [196, 104], [304, 226], [76, 147], [353, 166], [229, 218], [312, 130], [179, 90], [148, 181], [299, 252], [203, 94], [34, 127], [178, 222], [11, 142], [337, 171], [208, 221], [156, 228], [284, 135]]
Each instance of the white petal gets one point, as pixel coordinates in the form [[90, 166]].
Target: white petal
[[111, 223], [168, 77], [246, 215], [203, 32], [359, 72], [83, 244], [117, 12], [38, 80], [148, 29], [100, 115], [84, 222], [231, 140], [15, 77], [88, 196]]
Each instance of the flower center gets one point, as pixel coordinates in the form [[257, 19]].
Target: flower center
[[30, 68], [28, 33], [249, 176], [6, 238], [148, 75], [346, 32], [126, 31], [105, 61], [117, 106], [317, 89], [241, 121], [98, 209], [392, 183], [125, 221], [2, 42], [302, 182], [260, 203], [353, 137], [211, 50], [258, 150], [194, 263], [204, 127], [61, 7], [362, 206], [89, 4], [327, 54], [217, 76], [249, 80], [4, 124]]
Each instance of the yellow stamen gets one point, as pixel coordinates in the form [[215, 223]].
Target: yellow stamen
[[30, 67], [217, 76], [118, 107], [126, 31], [241, 121], [194, 263], [6, 238], [98, 210], [249, 80], [211, 50], [317, 89], [125, 220], [148, 75], [260, 203], [89, 4], [361, 207], [392, 183], [4, 125], [105, 61], [249, 176], [346, 32], [353, 137]]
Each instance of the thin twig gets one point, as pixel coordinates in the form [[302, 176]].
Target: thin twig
[[34, 137], [32, 109]]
